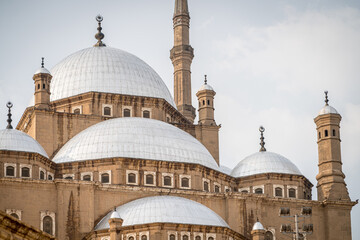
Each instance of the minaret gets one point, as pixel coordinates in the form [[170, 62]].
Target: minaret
[[42, 79], [181, 56], [206, 104], [331, 185]]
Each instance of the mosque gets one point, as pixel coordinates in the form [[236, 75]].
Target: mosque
[[105, 152]]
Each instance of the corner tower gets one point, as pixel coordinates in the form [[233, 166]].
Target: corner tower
[[181, 56], [331, 185], [42, 79]]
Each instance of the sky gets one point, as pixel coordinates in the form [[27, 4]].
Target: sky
[[268, 61]]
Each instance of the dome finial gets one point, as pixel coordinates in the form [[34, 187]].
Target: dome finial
[[205, 80], [42, 62], [326, 98], [9, 120], [262, 143], [99, 35]]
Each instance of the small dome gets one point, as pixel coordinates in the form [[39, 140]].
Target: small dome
[[327, 109], [258, 226], [106, 70], [115, 214], [164, 209], [42, 70], [206, 87], [15, 140], [264, 162], [141, 138]]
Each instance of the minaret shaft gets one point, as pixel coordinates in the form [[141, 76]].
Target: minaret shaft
[[181, 56]]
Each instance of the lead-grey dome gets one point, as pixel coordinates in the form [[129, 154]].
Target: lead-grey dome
[[15, 140], [141, 138], [264, 162], [108, 70], [164, 209]]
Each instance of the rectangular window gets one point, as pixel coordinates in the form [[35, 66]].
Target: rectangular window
[[10, 169], [168, 180], [105, 177], [25, 171], [132, 177]]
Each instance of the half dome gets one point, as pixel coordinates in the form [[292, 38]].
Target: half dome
[[141, 138], [164, 209], [15, 140], [107, 70], [264, 162]]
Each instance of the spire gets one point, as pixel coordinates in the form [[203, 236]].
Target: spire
[[181, 7], [262, 143], [205, 80], [9, 120], [326, 98], [42, 62], [99, 35]]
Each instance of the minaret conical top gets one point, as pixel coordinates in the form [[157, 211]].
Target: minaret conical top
[[99, 35], [262, 142], [9, 120]]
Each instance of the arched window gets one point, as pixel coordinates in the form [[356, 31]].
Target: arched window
[[48, 225], [210, 238], [197, 238], [208, 102], [105, 178], [149, 179], [10, 171], [131, 178], [185, 237], [14, 215], [292, 193], [107, 111], [42, 175], [143, 237], [319, 135], [146, 114], [258, 191], [278, 192], [127, 112], [25, 172], [326, 133], [269, 236], [217, 188], [77, 111], [167, 181], [334, 133], [50, 177], [86, 177], [184, 182], [206, 186], [43, 85], [203, 102], [131, 238], [172, 237], [38, 86], [69, 178]]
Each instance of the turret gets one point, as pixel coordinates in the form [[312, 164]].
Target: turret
[[205, 97], [42, 79], [181, 56], [331, 184], [258, 231]]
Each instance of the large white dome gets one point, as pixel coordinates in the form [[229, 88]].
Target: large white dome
[[264, 162], [107, 70], [141, 138], [15, 140], [164, 209]]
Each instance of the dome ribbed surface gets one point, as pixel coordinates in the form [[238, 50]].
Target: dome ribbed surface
[[141, 138], [164, 209], [15, 140], [264, 162], [107, 70]]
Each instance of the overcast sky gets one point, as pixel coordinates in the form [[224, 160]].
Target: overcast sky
[[268, 61]]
